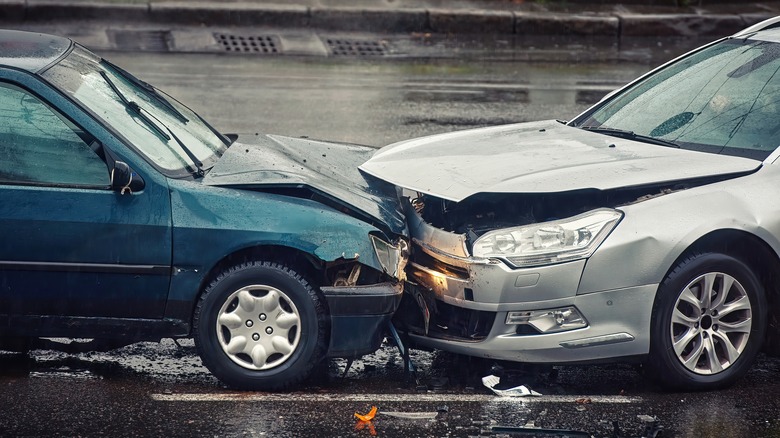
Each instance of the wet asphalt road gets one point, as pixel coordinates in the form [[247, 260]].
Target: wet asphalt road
[[162, 389]]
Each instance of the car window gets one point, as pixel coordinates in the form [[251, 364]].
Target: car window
[[40, 146], [723, 99]]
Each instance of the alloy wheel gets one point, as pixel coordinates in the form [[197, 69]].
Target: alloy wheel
[[711, 323]]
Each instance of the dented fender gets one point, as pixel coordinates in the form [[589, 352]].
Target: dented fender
[[644, 247], [210, 223]]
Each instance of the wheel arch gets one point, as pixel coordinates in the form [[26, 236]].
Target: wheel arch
[[759, 256], [304, 263]]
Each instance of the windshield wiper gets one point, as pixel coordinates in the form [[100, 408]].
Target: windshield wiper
[[630, 135], [141, 114], [149, 90], [133, 106]]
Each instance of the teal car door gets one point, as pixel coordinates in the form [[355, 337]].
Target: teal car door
[[71, 245]]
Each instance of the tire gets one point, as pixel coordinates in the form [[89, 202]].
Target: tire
[[260, 326], [699, 343]]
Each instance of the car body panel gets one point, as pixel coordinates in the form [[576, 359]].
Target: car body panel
[[620, 311], [210, 223], [747, 204], [329, 168], [86, 232], [538, 157]]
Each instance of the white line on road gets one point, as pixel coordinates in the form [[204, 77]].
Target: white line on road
[[262, 397]]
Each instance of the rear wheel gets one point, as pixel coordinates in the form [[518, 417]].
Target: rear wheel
[[260, 326], [709, 321]]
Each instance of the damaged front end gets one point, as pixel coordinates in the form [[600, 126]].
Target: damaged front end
[[362, 299], [361, 274], [506, 264]]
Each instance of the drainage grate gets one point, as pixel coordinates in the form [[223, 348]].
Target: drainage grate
[[146, 40], [259, 44], [344, 47]]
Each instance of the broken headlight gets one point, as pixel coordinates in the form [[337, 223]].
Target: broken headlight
[[392, 258], [549, 242]]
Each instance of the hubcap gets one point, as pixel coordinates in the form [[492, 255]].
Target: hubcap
[[711, 323], [258, 327]]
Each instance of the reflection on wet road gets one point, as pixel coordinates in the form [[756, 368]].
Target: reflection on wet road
[[161, 389]]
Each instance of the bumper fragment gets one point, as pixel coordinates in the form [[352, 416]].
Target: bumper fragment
[[359, 316]]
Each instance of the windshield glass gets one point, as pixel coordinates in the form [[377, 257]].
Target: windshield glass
[[81, 76], [724, 99]]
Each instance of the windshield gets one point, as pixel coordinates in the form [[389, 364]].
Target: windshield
[[106, 92], [723, 99]]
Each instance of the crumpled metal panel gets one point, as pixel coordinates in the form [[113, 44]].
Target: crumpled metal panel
[[330, 169], [539, 157]]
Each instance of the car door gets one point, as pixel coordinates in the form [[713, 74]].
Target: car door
[[71, 245]]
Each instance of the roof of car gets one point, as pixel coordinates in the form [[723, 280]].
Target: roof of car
[[31, 51]]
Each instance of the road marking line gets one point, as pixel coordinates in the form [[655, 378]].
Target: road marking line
[[405, 398]]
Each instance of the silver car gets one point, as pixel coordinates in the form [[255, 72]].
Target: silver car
[[646, 228]]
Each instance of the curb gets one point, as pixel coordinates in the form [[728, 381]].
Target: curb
[[384, 20], [370, 20], [229, 14]]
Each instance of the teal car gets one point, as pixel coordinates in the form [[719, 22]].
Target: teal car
[[126, 217]]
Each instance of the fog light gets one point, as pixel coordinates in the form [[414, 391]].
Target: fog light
[[549, 321]]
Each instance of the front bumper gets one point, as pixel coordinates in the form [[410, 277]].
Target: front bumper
[[457, 303], [359, 316]]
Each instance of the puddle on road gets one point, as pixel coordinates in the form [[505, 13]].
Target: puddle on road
[[63, 373]]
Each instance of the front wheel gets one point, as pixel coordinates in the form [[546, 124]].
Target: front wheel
[[260, 326], [709, 321]]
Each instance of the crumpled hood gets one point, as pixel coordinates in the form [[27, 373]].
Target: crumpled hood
[[327, 169], [538, 157]]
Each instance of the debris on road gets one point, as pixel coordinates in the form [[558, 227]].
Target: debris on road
[[491, 381], [365, 421], [367, 417]]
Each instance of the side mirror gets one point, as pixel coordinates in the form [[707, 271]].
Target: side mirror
[[124, 179]]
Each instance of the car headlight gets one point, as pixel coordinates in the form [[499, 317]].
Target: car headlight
[[549, 242]]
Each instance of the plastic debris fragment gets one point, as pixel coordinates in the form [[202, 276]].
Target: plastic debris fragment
[[367, 417], [364, 421], [491, 381]]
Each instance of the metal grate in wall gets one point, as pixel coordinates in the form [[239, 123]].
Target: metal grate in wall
[[256, 44], [348, 47]]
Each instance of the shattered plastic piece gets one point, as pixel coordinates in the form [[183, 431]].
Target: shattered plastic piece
[[411, 415], [364, 421], [518, 391], [367, 417]]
